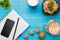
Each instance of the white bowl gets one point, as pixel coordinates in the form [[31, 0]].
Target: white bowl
[[33, 2]]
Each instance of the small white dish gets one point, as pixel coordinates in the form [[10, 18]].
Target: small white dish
[[33, 3]]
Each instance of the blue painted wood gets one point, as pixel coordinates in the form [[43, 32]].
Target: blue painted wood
[[34, 16]]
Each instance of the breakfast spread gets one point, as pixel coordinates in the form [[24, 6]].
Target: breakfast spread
[[49, 7]]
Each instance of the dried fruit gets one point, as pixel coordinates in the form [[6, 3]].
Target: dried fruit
[[31, 32], [37, 30], [25, 36], [42, 35]]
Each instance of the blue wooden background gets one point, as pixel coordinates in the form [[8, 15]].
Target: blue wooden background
[[34, 16]]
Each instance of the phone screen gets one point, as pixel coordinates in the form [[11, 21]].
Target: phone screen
[[7, 28]]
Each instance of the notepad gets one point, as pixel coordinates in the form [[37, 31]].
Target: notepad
[[21, 26]]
